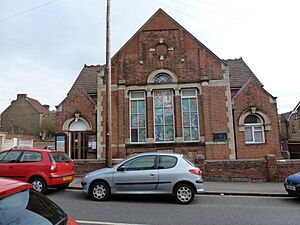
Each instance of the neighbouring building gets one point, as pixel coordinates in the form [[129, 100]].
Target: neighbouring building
[[24, 116], [169, 93], [290, 132]]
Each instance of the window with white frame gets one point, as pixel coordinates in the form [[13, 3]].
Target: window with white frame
[[254, 130], [163, 116], [190, 116], [137, 117]]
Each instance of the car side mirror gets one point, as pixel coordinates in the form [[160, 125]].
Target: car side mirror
[[121, 168]]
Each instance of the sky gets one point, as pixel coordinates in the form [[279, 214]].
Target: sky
[[44, 44]]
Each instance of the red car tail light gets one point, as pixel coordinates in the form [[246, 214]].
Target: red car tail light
[[53, 168], [196, 171]]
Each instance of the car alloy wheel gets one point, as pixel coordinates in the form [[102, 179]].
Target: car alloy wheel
[[38, 184], [100, 191], [184, 194]]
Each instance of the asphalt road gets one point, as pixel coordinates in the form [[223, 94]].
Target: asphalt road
[[157, 210]]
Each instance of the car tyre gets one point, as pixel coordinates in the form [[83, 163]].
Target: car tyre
[[184, 193], [100, 191], [39, 184]]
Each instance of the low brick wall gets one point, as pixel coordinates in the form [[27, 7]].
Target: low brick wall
[[84, 166], [287, 167], [268, 169]]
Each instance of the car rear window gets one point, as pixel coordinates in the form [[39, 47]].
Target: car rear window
[[59, 157], [30, 207], [189, 162], [166, 162]]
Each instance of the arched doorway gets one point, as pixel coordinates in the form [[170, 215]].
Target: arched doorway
[[82, 140]]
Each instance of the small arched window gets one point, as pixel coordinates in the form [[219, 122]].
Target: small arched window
[[254, 130], [162, 78]]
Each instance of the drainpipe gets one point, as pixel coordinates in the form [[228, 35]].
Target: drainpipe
[[234, 134]]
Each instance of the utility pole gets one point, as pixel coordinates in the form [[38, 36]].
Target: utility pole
[[108, 151]]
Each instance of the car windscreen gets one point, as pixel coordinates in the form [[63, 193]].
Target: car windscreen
[[10, 156], [29, 207], [59, 157]]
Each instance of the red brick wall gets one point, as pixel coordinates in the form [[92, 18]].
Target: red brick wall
[[198, 61], [76, 102], [253, 95], [264, 169]]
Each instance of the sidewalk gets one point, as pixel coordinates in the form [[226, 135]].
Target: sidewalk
[[229, 188]]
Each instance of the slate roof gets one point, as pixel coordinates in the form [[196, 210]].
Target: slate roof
[[284, 116], [240, 73], [87, 79], [37, 105]]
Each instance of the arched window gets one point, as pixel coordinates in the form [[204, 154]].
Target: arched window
[[162, 78], [254, 129]]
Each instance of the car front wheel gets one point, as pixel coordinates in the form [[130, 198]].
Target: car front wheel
[[184, 193], [39, 184], [100, 191]]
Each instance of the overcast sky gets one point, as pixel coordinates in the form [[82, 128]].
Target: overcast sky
[[44, 44]]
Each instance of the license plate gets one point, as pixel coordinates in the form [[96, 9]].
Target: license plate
[[67, 178], [289, 187]]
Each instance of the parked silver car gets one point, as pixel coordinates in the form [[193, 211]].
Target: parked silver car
[[147, 173]]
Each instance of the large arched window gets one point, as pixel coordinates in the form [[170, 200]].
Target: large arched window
[[254, 129]]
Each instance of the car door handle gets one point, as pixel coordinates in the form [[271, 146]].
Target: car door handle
[[11, 167], [152, 174]]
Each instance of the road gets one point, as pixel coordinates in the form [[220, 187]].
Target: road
[[157, 210]]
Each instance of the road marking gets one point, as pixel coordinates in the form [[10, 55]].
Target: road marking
[[104, 223]]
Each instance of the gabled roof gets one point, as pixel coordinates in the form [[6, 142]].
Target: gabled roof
[[246, 84], [37, 105], [240, 73], [161, 12], [87, 79], [294, 110]]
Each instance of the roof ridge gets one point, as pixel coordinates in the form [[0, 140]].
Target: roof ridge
[[93, 65]]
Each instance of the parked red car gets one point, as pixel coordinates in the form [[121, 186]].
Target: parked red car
[[20, 205], [41, 167]]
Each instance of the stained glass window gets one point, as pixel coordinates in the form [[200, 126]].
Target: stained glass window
[[190, 116], [137, 116], [164, 116], [254, 130], [162, 78]]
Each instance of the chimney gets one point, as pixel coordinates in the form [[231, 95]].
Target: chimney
[[21, 96], [47, 107]]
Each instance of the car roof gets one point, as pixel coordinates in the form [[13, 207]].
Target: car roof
[[10, 186], [159, 153], [31, 149]]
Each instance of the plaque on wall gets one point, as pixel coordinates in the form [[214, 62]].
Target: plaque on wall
[[220, 137]]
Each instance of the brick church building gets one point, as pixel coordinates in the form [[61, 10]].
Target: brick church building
[[169, 93]]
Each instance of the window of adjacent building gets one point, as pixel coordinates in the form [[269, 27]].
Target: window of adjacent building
[[295, 116], [254, 130], [137, 117], [293, 128], [163, 116], [162, 78], [190, 117]]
